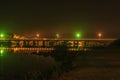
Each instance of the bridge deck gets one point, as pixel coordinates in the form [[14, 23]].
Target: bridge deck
[[84, 39], [34, 43]]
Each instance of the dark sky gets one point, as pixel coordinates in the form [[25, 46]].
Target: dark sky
[[62, 16]]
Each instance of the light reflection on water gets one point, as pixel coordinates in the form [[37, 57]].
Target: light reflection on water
[[45, 62], [27, 49], [37, 50], [11, 63]]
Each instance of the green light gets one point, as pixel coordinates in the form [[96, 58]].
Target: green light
[[78, 35], [2, 35], [1, 52]]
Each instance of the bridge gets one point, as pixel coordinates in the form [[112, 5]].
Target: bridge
[[50, 43]]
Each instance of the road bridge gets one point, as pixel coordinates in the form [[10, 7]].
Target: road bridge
[[50, 43]]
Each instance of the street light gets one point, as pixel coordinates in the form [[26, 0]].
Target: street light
[[37, 35], [1, 35], [99, 35], [78, 35]]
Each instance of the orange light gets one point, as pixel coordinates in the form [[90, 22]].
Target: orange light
[[80, 44], [99, 35], [71, 43], [38, 35]]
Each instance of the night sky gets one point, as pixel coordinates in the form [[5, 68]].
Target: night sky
[[61, 16]]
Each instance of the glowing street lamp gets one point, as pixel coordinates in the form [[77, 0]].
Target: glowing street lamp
[[1, 35], [38, 35], [78, 35], [99, 35]]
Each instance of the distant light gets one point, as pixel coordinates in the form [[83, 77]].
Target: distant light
[[80, 44], [38, 35], [1, 35], [99, 35], [57, 35], [78, 35], [1, 52]]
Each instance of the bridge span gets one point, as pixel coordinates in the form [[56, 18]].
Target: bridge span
[[51, 43]]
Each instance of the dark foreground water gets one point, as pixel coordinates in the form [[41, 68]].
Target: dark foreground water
[[99, 64], [27, 66]]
